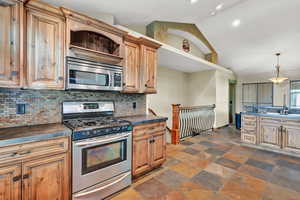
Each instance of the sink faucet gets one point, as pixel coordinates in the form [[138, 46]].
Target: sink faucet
[[285, 109]]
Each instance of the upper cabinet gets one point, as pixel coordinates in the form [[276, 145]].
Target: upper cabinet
[[36, 38], [11, 40], [140, 65], [131, 82], [148, 66], [89, 38], [45, 46]]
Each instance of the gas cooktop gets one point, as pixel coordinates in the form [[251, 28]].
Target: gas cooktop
[[80, 117]]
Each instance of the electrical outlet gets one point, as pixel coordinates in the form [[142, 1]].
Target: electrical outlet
[[134, 105], [21, 109]]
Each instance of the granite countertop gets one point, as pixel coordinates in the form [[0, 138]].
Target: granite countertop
[[142, 119], [18, 135], [276, 115]]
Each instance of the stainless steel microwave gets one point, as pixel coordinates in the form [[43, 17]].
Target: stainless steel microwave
[[89, 75]]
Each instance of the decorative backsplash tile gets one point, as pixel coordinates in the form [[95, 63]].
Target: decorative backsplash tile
[[45, 106]]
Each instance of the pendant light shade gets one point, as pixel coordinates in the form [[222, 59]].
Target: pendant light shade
[[278, 79]]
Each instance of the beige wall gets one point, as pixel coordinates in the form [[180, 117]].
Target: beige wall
[[201, 88], [176, 41], [191, 89], [222, 99], [173, 40], [171, 89]]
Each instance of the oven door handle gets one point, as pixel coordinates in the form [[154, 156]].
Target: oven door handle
[[101, 141], [103, 187]]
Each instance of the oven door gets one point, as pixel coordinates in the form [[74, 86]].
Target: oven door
[[98, 159], [89, 78]]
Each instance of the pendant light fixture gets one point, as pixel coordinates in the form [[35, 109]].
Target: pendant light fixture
[[278, 79]]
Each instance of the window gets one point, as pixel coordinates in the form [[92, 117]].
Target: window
[[295, 93], [258, 94]]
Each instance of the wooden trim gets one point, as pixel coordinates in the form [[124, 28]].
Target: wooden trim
[[153, 113], [149, 43], [175, 124], [98, 55], [44, 7], [79, 17]]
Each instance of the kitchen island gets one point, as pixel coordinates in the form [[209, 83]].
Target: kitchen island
[[272, 131]]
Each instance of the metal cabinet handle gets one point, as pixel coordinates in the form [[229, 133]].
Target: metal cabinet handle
[[101, 141], [23, 152], [103, 187]]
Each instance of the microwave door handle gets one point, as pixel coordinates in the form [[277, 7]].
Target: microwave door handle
[[101, 141], [103, 187]]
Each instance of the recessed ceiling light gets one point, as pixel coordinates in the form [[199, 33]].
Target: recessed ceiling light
[[193, 1], [236, 22], [213, 13], [219, 7]]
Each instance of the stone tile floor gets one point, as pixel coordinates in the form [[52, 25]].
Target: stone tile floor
[[218, 168]]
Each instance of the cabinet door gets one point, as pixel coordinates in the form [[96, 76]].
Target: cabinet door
[[291, 138], [131, 69], [158, 150], [149, 64], [45, 51], [11, 44], [10, 182], [141, 159], [46, 178], [270, 135]]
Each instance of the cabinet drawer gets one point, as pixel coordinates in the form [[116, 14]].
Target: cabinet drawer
[[249, 124], [291, 122], [249, 131], [249, 138], [34, 149], [144, 129], [270, 120], [248, 118]]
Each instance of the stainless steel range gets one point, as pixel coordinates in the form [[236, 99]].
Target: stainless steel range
[[101, 149]]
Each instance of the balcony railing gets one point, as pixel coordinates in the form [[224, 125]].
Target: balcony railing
[[187, 121]]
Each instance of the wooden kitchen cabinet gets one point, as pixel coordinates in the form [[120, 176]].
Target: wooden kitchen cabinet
[[158, 148], [291, 138], [45, 46], [148, 69], [36, 170], [270, 135], [46, 178], [10, 182], [149, 147], [141, 154], [11, 45], [131, 68]]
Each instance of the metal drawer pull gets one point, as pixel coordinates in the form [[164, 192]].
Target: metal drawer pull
[[103, 187], [23, 152], [101, 141]]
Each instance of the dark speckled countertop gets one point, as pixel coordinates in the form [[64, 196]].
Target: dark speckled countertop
[[142, 119], [276, 115], [18, 135]]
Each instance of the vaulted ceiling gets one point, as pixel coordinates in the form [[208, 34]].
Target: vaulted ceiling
[[267, 26]]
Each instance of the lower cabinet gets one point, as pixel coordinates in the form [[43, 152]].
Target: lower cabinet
[[39, 174], [31, 177], [149, 147], [279, 134], [10, 182], [291, 138], [270, 135]]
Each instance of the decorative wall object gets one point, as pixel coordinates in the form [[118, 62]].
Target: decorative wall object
[[186, 45]]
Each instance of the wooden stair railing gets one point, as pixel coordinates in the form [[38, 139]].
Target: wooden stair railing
[[153, 113]]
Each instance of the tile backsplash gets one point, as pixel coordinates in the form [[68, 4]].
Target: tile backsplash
[[44, 106]]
